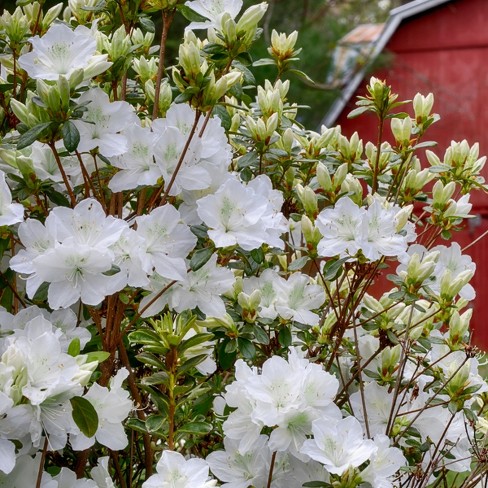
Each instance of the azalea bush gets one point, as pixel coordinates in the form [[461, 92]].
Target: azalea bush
[[190, 278]]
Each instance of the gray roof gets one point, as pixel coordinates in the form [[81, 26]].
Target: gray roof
[[397, 15]]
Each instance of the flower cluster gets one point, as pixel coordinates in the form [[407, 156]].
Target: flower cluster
[[177, 231]]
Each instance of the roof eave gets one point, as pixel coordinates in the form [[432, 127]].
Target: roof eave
[[397, 15]]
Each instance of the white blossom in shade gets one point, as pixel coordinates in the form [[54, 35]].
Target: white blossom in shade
[[340, 228], [376, 231], [287, 395], [339, 445], [213, 10], [64, 324], [293, 473], [382, 236], [7, 455], [46, 167], [241, 469], [379, 404], [452, 259], [201, 288], [40, 379], [61, 51], [129, 257], [384, 463], [294, 298], [36, 240], [10, 213], [102, 123], [67, 479], [137, 165], [174, 471], [113, 406], [247, 215], [167, 242], [268, 284], [101, 475], [208, 150], [25, 474], [297, 296]]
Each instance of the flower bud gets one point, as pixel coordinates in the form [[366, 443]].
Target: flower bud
[[282, 46], [422, 106], [402, 130], [323, 177], [16, 26], [309, 200], [441, 194], [459, 327], [250, 18]]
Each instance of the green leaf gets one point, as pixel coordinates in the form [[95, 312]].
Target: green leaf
[[147, 24], [71, 136], [302, 75], [333, 269], [260, 335], [136, 424], [200, 428], [257, 255], [298, 263], [190, 363], [29, 137], [223, 115], [200, 231], [357, 112], [246, 347], [74, 347], [150, 360], [200, 258], [190, 14], [247, 160], [193, 341], [155, 423], [56, 197], [226, 358], [159, 378], [145, 337], [264, 62], [99, 356], [84, 415], [284, 337]]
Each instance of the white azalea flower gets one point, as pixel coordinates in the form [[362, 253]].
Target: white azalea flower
[[167, 242], [384, 464], [208, 152], [246, 215], [173, 470], [213, 10], [241, 469], [61, 51], [340, 445], [101, 475], [102, 122], [137, 166], [112, 406], [376, 231], [10, 213], [71, 252]]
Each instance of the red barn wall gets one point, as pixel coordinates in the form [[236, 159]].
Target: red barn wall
[[445, 51]]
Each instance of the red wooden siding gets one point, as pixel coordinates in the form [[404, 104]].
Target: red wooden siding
[[445, 51]]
